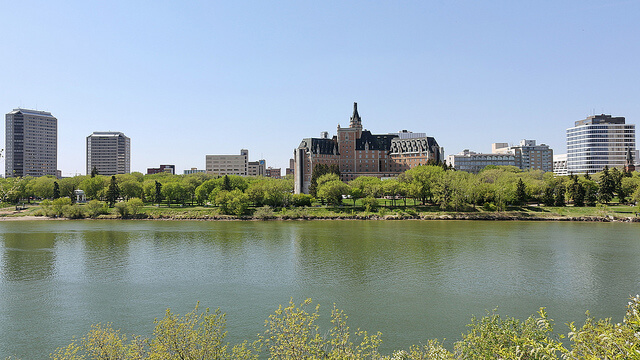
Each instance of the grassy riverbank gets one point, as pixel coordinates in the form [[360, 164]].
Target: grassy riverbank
[[319, 212]]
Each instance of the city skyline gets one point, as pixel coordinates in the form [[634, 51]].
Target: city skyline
[[186, 80]]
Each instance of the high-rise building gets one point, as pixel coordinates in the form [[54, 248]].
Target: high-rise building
[[31, 143], [599, 141], [109, 153]]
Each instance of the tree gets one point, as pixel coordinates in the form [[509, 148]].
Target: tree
[[113, 191], [233, 202], [135, 204], [559, 195], [548, 198], [521, 192], [94, 172], [131, 189], [607, 186], [422, 179], [332, 190], [93, 187], [56, 190], [317, 172], [158, 195]]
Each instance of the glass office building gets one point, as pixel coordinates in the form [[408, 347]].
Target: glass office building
[[599, 141]]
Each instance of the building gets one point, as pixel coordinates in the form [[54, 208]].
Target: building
[[109, 153], [473, 162], [599, 141], [31, 143], [193, 171], [560, 165], [358, 152], [529, 156], [169, 169], [228, 164], [275, 173], [257, 168], [289, 170]]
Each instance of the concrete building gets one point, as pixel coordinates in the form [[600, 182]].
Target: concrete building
[[560, 165], [257, 168], [473, 162], [169, 169], [599, 141], [228, 164], [289, 170], [109, 152], [31, 143], [358, 152], [529, 156]]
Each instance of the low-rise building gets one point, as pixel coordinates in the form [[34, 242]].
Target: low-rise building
[[275, 173], [473, 162], [560, 165], [193, 171], [257, 168], [169, 169]]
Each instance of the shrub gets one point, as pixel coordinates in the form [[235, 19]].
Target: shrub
[[72, 211], [370, 204], [123, 209], [302, 200], [135, 204], [264, 213], [95, 208]]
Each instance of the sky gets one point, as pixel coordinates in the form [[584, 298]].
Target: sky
[[184, 79]]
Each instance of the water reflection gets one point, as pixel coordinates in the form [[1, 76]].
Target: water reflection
[[27, 258]]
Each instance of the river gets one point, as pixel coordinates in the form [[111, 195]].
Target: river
[[411, 280]]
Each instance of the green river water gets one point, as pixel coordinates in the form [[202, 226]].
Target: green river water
[[411, 280]]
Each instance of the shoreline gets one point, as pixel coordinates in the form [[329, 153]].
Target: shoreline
[[453, 216]]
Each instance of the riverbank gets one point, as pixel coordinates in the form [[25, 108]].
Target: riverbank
[[602, 213]]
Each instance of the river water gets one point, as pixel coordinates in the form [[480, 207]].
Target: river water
[[411, 280]]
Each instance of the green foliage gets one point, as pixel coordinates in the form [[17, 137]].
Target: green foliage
[[56, 190], [233, 202], [332, 189], [58, 206], [135, 205], [93, 187], [521, 192], [607, 186], [122, 209], [264, 213], [292, 333], [318, 171], [301, 200], [370, 204], [95, 208]]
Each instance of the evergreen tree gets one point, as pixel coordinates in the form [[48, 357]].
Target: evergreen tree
[[158, 196], [586, 176], [578, 192], [56, 190], [521, 192], [94, 172], [559, 196], [547, 197], [226, 183], [113, 192], [607, 186]]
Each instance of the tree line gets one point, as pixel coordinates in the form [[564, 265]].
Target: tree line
[[494, 188]]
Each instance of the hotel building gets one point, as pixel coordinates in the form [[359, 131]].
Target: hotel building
[[358, 152]]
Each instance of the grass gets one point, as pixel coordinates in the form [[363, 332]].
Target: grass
[[348, 211]]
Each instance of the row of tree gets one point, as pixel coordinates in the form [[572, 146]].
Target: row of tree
[[455, 190]]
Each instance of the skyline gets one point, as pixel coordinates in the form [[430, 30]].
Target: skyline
[[187, 80]]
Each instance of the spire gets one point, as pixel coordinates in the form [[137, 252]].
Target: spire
[[355, 120]]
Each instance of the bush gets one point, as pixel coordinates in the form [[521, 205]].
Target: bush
[[135, 204], [72, 211], [95, 208], [370, 204], [302, 200], [123, 209], [264, 213]]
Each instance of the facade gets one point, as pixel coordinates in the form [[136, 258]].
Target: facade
[[529, 156], [560, 165], [275, 173], [193, 171], [31, 143], [289, 170], [358, 152], [228, 164], [169, 169], [473, 162], [599, 141], [257, 168], [108, 152]]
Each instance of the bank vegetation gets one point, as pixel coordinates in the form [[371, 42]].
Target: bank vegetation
[[424, 192]]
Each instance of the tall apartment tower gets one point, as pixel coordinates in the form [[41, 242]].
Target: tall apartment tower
[[31, 143], [108, 152], [597, 141]]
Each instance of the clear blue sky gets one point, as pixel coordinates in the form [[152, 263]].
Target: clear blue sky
[[185, 78]]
